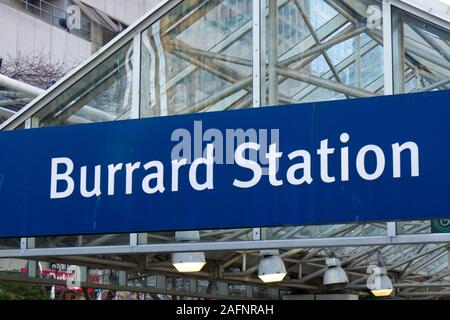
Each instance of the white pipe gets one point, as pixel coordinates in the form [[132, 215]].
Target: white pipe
[[19, 86], [6, 112], [34, 91]]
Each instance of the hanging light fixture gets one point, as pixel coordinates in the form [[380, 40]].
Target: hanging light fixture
[[378, 282], [188, 261], [271, 268], [335, 277]]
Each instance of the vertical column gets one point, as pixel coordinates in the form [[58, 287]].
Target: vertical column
[[388, 73], [273, 52], [256, 235], [133, 239], [250, 293], [358, 64], [96, 37], [160, 69], [135, 111], [274, 294], [398, 53], [223, 289], [32, 268], [387, 47], [79, 241], [257, 51], [123, 278], [32, 265], [391, 229], [136, 97], [161, 283], [83, 274], [27, 243], [193, 285]]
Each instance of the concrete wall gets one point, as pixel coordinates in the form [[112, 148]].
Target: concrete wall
[[125, 11], [21, 32]]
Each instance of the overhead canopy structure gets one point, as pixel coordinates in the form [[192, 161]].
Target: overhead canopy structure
[[209, 55]]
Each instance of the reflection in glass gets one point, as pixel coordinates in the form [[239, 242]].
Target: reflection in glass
[[319, 50], [421, 54], [200, 63], [104, 94], [9, 243], [413, 227], [82, 241]]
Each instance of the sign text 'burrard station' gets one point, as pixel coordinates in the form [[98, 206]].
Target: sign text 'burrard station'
[[375, 159]]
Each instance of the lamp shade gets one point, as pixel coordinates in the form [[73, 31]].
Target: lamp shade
[[335, 277], [271, 269], [188, 261], [378, 282]]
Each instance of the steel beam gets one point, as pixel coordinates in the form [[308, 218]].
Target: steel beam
[[324, 83], [434, 86], [15, 102], [176, 293], [432, 43], [345, 35], [318, 41], [232, 245], [272, 49], [237, 86]]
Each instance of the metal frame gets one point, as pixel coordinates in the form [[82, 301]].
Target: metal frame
[[132, 248], [436, 17]]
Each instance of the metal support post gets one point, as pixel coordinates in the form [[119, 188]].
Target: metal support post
[[273, 52]]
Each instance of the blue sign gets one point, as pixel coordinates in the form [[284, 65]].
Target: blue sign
[[362, 160]]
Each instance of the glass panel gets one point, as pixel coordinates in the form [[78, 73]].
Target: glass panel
[[205, 236], [321, 50], [275, 233], [83, 241], [428, 226], [325, 231], [413, 227], [9, 243], [421, 54], [198, 58], [104, 94]]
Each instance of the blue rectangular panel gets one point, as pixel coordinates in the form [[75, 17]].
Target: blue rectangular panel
[[398, 168]]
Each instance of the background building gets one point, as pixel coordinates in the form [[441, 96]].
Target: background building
[[39, 46], [30, 27]]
